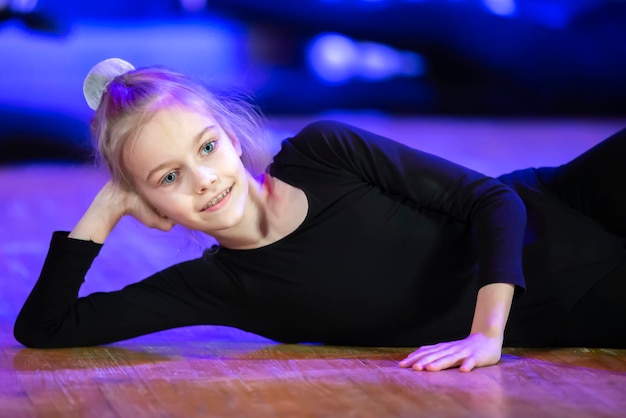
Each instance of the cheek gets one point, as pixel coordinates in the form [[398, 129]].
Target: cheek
[[167, 205], [157, 201], [237, 167], [243, 195]]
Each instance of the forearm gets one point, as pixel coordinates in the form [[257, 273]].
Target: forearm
[[46, 311], [493, 304]]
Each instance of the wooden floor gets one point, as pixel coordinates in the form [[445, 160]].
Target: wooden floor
[[217, 371]]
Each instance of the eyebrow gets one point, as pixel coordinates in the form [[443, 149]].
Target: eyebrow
[[165, 164]]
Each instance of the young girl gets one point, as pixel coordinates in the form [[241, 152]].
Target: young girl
[[346, 238]]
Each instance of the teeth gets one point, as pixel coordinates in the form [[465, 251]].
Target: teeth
[[217, 199]]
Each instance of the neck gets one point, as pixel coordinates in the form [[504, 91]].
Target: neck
[[253, 231]]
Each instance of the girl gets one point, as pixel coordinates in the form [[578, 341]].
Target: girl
[[346, 238]]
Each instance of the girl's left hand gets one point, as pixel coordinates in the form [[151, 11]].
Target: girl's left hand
[[477, 350]]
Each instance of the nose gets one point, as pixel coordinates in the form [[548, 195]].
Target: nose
[[204, 177]]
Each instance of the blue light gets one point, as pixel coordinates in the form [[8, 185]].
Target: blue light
[[200, 48], [23, 6], [377, 61], [332, 57], [504, 8], [335, 58], [193, 5]]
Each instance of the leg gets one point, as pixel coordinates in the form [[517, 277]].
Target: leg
[[595, 183], [599, 318]]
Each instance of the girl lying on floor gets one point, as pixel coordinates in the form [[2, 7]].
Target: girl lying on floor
[[345, 238]]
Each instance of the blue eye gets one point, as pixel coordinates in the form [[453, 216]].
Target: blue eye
[[208, 147], [169, 178]]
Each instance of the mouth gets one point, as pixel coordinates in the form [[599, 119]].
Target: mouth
[[217, 199]]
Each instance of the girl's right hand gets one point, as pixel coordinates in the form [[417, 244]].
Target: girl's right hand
[[110, 204], [135, 206]]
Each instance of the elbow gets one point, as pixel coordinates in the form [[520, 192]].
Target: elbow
[[25, 334], [513, 208], [32, 336]]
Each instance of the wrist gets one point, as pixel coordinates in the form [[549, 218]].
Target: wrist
[[492, 310], [100, 218], [489, 332]]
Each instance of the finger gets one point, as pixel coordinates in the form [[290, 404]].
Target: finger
[[422, 362], [421, 353], [468, 365], [165, 225], [429, 353], [429, 349], [152, 220], [446, 362]]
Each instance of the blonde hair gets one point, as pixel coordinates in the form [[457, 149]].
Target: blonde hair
[[131, 99]]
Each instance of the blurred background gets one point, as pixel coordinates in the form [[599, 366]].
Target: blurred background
[[458, 58]]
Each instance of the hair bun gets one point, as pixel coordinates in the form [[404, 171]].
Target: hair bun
[[100, 76]]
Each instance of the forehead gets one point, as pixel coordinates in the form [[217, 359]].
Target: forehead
[[173, 121], [170, 127], [162, 135]]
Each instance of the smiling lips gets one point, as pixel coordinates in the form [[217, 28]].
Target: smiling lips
[[217, 200]]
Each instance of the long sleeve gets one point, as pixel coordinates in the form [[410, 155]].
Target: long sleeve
[[494, 211], [54, 315]]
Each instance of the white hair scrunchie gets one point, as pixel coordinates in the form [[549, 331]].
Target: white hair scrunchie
[[100, 76]]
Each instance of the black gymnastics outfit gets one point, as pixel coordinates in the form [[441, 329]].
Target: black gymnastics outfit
[[392, 252]]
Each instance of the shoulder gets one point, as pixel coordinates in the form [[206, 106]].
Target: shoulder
[[321, 132], [315, 141], [326, 139], [322, 146], [326, 127]]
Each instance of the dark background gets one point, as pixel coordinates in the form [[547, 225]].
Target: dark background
[[471, 58]]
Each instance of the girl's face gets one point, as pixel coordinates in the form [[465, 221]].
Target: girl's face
[[189, 170]]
